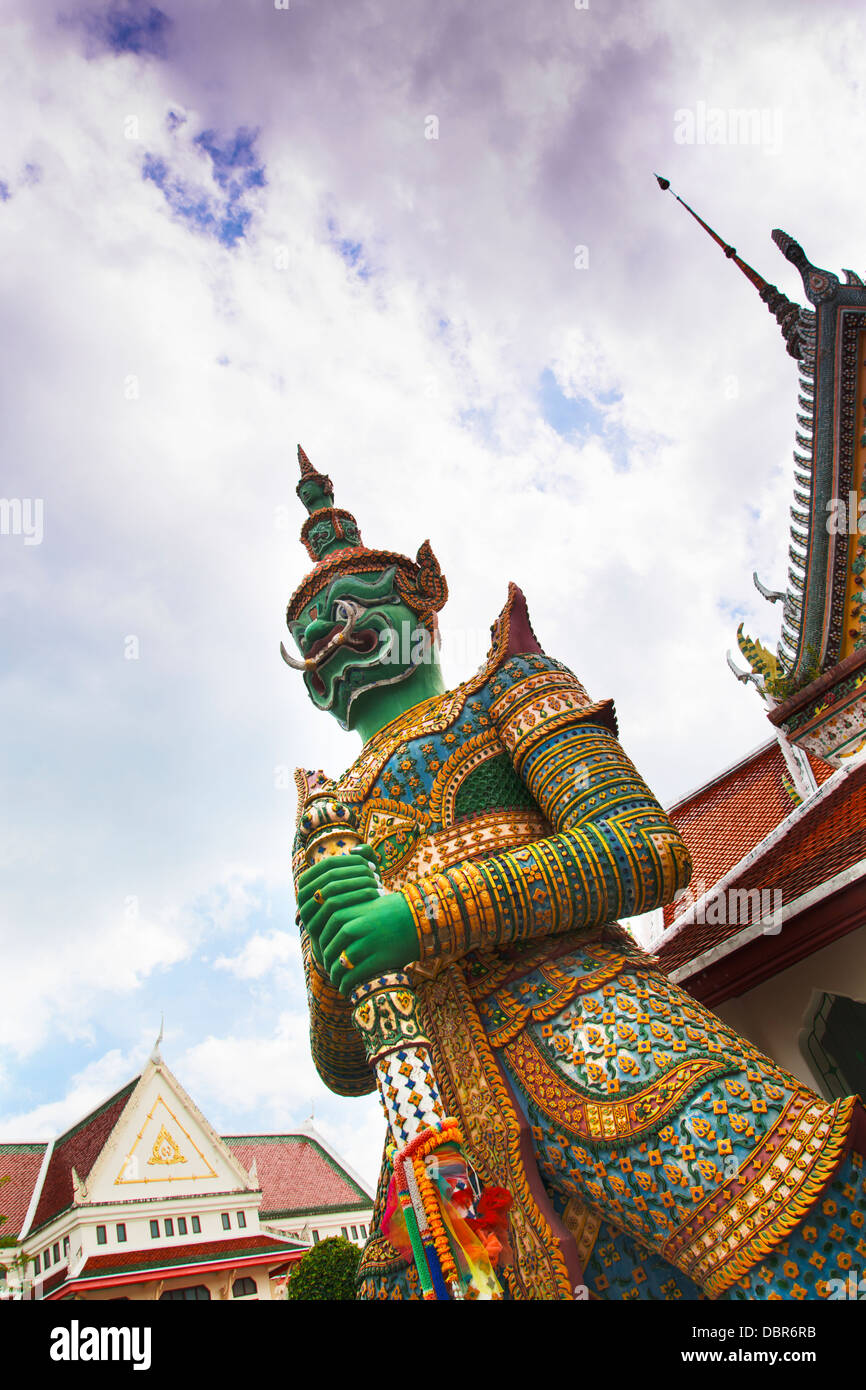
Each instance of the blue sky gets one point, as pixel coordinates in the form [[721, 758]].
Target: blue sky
[[232, 227]]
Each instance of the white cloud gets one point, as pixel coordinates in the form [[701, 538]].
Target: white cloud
[[86, 1090], [260, 955], [267, 1083]]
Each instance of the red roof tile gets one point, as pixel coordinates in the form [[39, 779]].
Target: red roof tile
[[54, 1281], [826, 839], [296, 1174], [78, 1148], [200, 1252], [20, 1163], [722, 822]]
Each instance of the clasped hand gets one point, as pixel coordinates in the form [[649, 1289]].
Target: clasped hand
[[343, 907]]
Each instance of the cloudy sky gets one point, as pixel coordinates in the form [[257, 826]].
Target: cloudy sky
[[425, 241]]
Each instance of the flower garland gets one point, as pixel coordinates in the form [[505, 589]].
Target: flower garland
[[457, 1233]]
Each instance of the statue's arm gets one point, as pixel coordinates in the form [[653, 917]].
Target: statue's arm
[[615, 851]]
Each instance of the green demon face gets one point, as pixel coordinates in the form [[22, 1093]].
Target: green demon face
[[355, 635]]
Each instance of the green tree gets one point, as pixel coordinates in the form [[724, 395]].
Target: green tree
[[328, 1271]]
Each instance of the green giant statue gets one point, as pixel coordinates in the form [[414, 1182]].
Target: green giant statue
[[648, 1151]]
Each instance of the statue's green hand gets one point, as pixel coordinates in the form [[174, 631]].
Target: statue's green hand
[[343, 907], [345, 880], [376, 936]]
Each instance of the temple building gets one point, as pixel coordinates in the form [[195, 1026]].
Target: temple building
[[771, 933], [141, 1199]]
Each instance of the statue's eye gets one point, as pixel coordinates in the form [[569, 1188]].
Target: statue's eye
[[345, 610]]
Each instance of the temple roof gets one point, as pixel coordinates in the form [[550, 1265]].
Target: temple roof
[[186, 1260], [727, 817], [824, 597], [78, 1148], [297, 1175], [806, 857], [21, 1164]]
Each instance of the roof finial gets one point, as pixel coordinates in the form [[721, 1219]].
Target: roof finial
[[156, 1055], [786, 313]]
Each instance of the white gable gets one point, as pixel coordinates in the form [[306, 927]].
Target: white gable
[[162, 1146]]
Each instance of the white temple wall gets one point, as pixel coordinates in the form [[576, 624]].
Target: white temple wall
[[773, 1015]]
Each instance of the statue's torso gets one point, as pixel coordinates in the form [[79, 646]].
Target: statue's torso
[[437, 787]]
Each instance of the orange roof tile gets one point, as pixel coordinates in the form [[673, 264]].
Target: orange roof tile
[[827, 838], [722, 821]]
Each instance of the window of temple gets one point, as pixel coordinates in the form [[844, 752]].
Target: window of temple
[[169, 1227], [66, 1245], [121, 1232], [46, 1257], [242, 1220], [834, 1044], [315, 1237], [242, 1288], [37, 1264], [196, 1293], [101, 1238], [154, 1230], [345, 1232], [181, 1225], [196, 1226], [226, 1220], [55, 1251]]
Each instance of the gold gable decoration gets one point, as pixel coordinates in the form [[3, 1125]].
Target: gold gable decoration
[[172, 1153], [165, 1150]]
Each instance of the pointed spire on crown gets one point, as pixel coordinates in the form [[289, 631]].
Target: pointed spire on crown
[[786, 313], [315, 489], [327, 527]]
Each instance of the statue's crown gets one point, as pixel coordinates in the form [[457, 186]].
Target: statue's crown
[[332, 539]]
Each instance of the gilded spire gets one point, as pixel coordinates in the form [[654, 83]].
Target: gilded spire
[[783, 309]]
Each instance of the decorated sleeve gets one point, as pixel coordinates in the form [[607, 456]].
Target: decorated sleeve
[[615, 852], [335, 1043], [338, 1052]]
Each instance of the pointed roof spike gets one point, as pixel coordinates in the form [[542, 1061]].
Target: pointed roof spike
[[745, 677], [771, 595], [783, 309], [819, 284], [156, 1055]]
